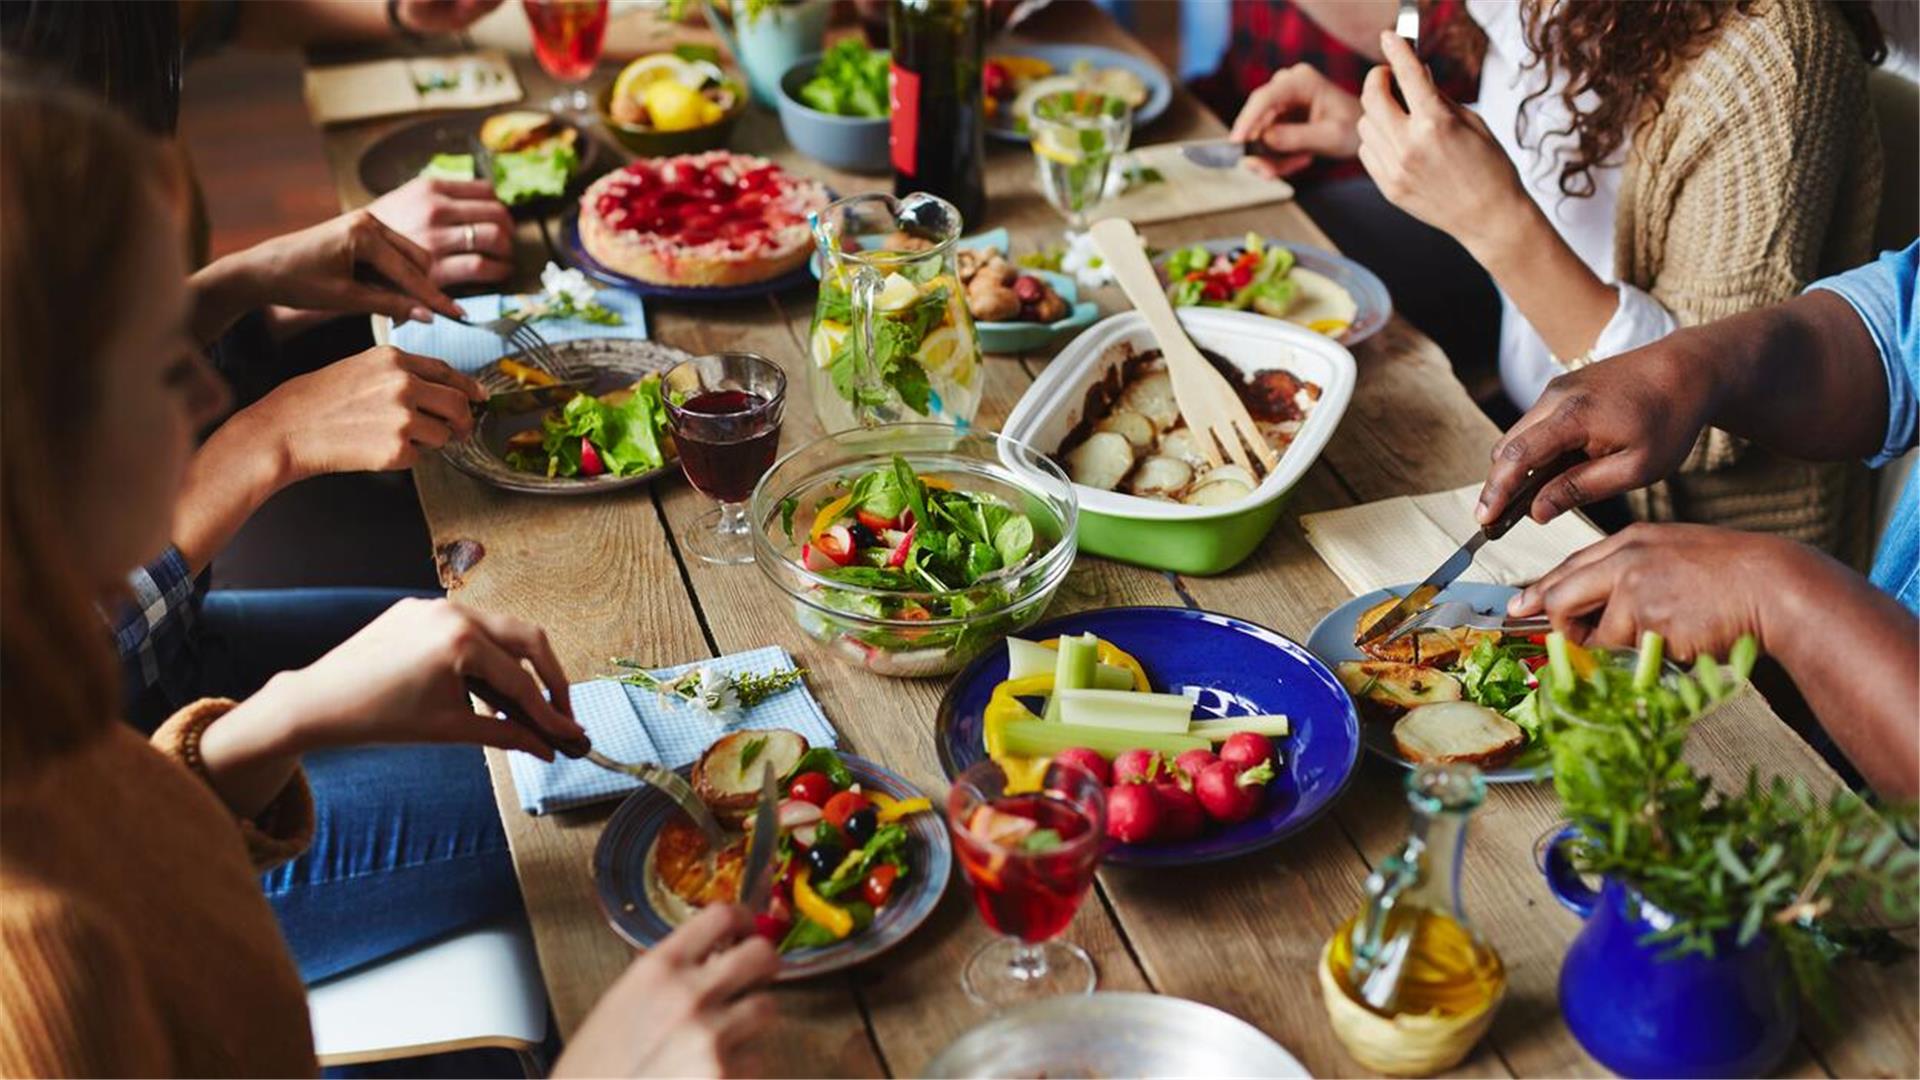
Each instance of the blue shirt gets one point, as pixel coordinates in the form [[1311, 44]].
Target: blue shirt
[[1883, 294]]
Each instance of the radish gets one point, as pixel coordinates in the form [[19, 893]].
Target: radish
[[836, 543], [1246, 750], [1133, 814], [1231, 795], [814, 559], [1181, 816], [899, 555], [1138, 767], [1193, 762], [590, 463], [1088, 760], [794, 813]]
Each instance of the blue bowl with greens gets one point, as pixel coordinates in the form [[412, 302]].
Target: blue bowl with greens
[[833, 107], [908, 549]]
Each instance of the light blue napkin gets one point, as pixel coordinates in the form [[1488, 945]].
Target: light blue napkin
[[628, 723], [468, 349]]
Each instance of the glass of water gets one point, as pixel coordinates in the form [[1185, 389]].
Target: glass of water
[[1078, 138]]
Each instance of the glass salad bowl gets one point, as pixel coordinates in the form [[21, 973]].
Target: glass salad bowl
[[909, 548]]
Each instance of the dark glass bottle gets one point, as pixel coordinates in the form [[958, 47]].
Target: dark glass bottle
[[938, 138]]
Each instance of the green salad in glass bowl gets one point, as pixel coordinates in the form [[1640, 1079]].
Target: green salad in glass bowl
[[909, 548]]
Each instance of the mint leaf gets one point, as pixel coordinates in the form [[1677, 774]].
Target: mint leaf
[[749, 752], [1040, 841]]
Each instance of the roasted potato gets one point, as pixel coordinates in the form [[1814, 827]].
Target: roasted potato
[[1102, 461], [730, 790], [1138, 429], [1457, 732], [1383, 689]]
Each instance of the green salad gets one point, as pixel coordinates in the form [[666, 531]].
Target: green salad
[[948, 554], [616, 434], [850, 81], [1252, 276], [519, 176]]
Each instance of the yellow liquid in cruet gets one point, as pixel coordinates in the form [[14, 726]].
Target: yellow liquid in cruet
[[1447, 970]]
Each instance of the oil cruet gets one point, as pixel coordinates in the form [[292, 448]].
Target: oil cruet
[[892, 340], [1409, 984]]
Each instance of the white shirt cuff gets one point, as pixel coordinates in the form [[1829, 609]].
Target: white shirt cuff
[[1638, 319]]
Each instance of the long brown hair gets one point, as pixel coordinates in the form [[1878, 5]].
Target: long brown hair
[[73, 180], [1626, 52]]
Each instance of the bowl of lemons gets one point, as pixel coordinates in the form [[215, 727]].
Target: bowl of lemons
[[666, 104]]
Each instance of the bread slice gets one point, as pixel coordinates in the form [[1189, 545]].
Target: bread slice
[[731, 790], [1457, 733], [508, 132], [1384, 689]]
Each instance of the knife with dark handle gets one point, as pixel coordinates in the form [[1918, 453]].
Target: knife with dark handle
[[666, 780], [1457, 563]]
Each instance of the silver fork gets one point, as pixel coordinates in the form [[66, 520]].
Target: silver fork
[[1407, 23], [1449, 614], [518, 332]]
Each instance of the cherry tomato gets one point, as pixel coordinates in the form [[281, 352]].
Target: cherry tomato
[[879, 884], [1216, 289], [813, 787], [843, 806], [1239, 276], [771, 927], [1535, 663]]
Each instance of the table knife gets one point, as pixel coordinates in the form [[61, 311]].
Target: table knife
[[756, 885], [1457, 563], [668, 782]]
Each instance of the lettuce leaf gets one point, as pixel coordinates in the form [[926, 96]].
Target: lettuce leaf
[[533, 174], [449, 167]]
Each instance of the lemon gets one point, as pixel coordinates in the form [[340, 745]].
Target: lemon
[[947, 353], [1049, 145], [828, 337], [674, 106], [1329, 327], [650, 69], [896, 293]]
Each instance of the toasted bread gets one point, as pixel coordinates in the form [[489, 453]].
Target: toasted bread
[[1457, 733], [1384, 689], [522, 129], [730, 790]]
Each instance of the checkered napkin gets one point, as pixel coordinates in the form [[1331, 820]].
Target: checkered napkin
[[469, 348], [628, 723]]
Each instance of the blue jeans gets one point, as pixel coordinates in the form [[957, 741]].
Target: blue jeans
[[408, 845]]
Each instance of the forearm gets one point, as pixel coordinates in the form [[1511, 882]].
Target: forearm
[[250, 753], [1852, 651], [1802, 378], [1354, 23], [220, 293], [233, 473], [1565, 302]]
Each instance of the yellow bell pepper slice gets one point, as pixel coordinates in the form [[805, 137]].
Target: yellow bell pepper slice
[[1582, 660], [837, 920], [829, 514], [1112, 654], [1005, 705], [524, 374], [889, 809], [1024, 774]]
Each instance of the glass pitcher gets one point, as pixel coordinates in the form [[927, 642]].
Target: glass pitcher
[[892, 340]]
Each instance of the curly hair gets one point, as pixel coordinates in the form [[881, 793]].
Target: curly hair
[[1626, 52]]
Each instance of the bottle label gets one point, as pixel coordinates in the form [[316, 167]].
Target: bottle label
[[903, 138]]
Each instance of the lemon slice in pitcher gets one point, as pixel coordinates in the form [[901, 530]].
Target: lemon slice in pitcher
[[828, 338], [948, 354], [1050, 144]]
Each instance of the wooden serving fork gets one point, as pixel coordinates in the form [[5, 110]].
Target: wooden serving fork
[[1207, 401]]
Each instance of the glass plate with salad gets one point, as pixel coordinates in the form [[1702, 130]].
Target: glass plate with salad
[[1327, 293]]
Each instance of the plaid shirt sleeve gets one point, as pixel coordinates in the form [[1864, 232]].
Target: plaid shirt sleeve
[[154, 630]]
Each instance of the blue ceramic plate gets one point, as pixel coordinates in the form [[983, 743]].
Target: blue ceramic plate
[[1063, 57], [1240, 668], [576, 253], [620, 860], [1332, 642], [1373, 307]]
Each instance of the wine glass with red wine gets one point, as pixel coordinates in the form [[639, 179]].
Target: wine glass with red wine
[[724, 411], [567, 38], [1030, 856]]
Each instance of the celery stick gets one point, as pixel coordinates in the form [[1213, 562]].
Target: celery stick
[[1112, 677], [1707, 670], [1026, 659], [1217, 730], [1740, 661], [1037, 738], [1079, 656], [1560, 664], [1647, 670], [1125, 709]]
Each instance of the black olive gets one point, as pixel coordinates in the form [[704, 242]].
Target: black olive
[[862, 536], [824, 859], [861, 824]]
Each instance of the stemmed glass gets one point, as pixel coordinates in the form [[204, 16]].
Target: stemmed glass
[[1077, 136], [1030, 857], [567, 38], [724, 412]]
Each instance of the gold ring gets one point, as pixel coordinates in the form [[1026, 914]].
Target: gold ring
[[470, 240]]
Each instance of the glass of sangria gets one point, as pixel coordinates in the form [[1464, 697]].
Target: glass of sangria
[[724, 412], [567, 38], [1030, 856], [1078, 137]]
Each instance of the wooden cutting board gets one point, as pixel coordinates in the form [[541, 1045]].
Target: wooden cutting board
[[1188, 190]]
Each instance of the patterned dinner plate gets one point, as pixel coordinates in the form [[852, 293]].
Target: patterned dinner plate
[[621, 874], [612, 364]]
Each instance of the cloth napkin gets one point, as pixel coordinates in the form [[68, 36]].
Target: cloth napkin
[[628, 723], [340, 93], [469, 348], [1399, 540]]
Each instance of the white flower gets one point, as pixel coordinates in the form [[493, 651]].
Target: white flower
[[570, 286], [1082, 260], [718, 694]]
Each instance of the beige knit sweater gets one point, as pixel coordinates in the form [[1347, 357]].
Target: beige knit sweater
[[1760, 175]]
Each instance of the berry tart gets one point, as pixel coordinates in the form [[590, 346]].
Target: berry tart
[[711, 219]]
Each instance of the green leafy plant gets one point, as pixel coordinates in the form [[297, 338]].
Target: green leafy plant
[[1816, 874], [851, 81]]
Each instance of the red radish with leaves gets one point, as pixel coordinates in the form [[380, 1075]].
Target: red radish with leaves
[[1232, 795], [1089, 760], [1133, 813], [1181, 816], [1138, 767], [1247, 750], [1193, 762]]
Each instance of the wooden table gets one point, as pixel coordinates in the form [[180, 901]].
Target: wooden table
[[606, 577]]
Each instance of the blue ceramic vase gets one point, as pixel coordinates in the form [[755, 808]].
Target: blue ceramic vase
[[1642, 1014]]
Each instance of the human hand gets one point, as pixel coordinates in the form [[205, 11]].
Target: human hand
[[466, 231], [1700, 587], [350, 263], [685, 1008], [441, 16], [370, 412], [1297, 116], [1433, 158], [1635, 417], [402, 679]]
